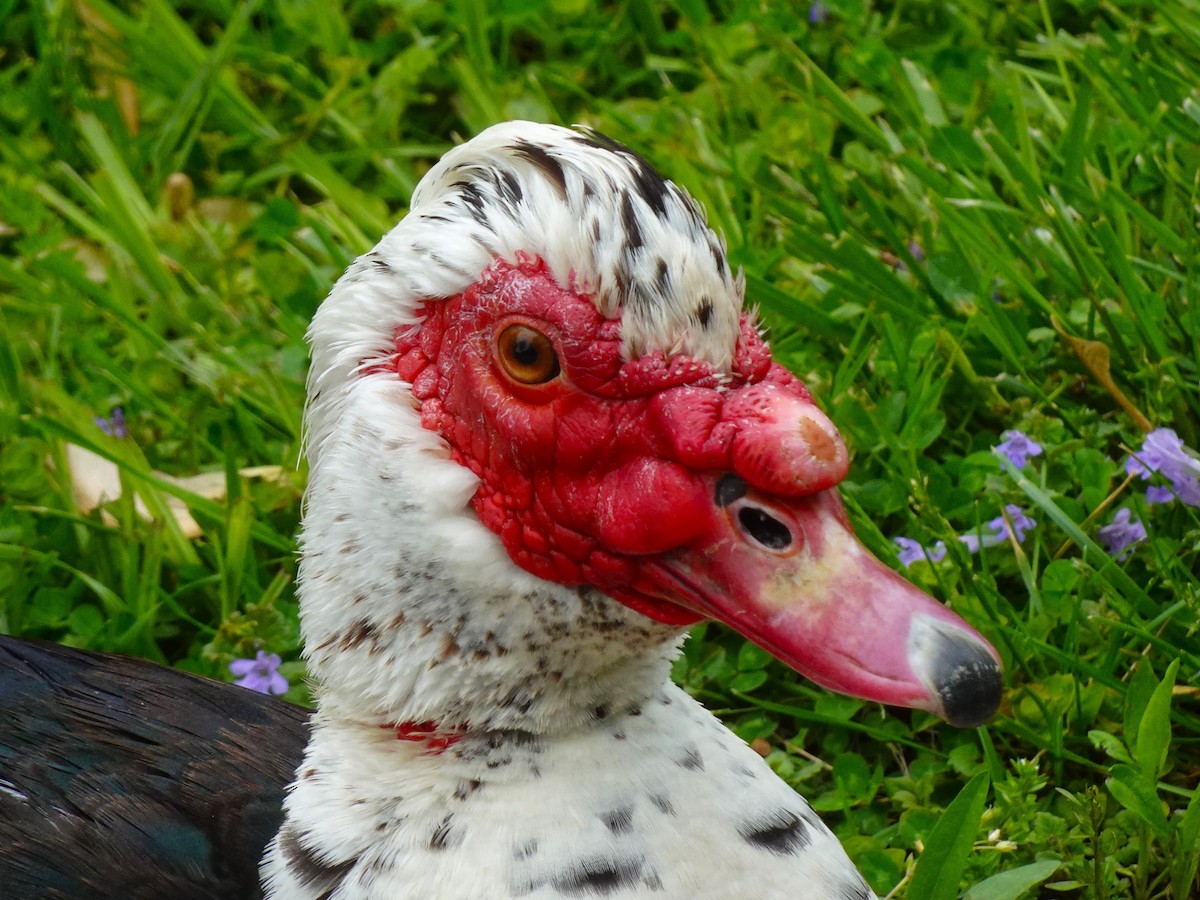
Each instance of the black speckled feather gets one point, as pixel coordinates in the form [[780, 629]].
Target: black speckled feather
[[120, 778]]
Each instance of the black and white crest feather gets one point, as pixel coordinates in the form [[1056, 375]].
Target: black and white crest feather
[[604, 220]]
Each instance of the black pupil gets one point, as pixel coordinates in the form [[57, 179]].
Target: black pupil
[[525, 349], [765, 529]]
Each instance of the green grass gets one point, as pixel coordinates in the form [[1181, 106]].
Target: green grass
[[936, 205]]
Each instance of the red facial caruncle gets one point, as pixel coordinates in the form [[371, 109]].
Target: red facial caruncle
[[608, 461], [681, 490]]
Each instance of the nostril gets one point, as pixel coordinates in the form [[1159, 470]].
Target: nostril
[[764, 528]]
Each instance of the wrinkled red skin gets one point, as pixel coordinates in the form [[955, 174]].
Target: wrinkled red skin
[[586, 477]]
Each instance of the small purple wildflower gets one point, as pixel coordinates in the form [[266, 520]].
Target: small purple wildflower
[[911, 551], [114, 426], [1187, 490], [1157, 493], [260, 674], [818, 13], [1017, 447], [1122, 534], [918, 253], [996, 531], [1158, 448], [1021, 523], [1164, 452]]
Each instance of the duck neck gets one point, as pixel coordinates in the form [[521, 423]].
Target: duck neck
[[414, 616]]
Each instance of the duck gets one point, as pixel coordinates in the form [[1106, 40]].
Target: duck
[[545, 438]]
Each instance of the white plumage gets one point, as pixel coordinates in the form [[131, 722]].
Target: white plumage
[[542, 751]]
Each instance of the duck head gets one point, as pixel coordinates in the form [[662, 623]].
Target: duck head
[[545, 435]]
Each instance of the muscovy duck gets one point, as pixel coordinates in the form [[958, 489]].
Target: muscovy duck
[[545, 439]]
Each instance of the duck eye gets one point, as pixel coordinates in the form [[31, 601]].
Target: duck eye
[[526, 355]]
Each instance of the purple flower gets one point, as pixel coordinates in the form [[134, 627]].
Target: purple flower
[[997, 530], [1163, 452], [1187, 489], [1122, 534], [1021, 523], [818, 13], [260, 674], [1017, 447], [1159, 448], [911, 551], [918, 253], [115, 426], [1156, 493]]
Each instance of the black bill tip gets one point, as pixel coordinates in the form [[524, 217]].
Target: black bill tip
[[967, 679]]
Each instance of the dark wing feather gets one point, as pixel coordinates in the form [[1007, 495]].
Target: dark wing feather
[[123, 779]]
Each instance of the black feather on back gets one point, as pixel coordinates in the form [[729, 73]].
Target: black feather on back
[[123, 779]]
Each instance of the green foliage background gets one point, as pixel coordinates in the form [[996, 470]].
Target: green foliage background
[[957, 219]]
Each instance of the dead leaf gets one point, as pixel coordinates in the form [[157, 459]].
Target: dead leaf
[[96, 481], [1096, 359]]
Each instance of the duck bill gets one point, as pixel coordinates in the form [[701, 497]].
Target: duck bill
[[829, 609]]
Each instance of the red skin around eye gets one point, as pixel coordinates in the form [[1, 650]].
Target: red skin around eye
[[612, 461]]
